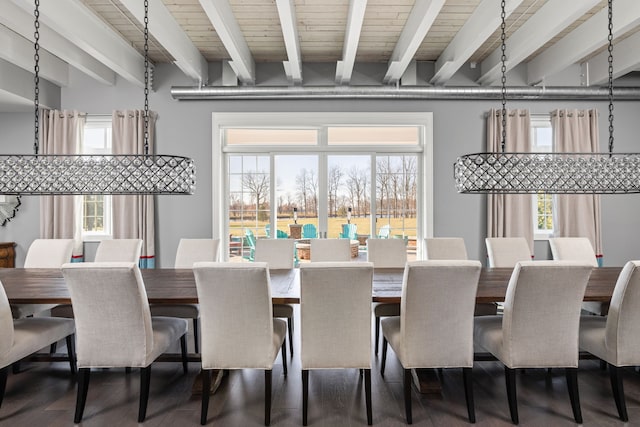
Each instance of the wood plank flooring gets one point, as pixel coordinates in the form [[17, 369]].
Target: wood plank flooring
[[43, 394]]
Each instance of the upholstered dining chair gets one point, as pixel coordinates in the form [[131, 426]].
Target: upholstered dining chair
[[189, 251], [278, 254], [114, 327], [335, 312], [539, 328], [506, 252], [43, 253], [21, 337], [428, 334], [615, 339], [385, 253], [238, 328], [330, 250]]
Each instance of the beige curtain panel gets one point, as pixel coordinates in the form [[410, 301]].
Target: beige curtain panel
[[577, 215], [510, 215]]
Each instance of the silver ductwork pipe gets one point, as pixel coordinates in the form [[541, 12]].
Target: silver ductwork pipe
[[401, 92]]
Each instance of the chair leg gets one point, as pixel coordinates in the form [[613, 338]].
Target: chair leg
[[196, 344], [4, 373], [367, 394], [206, 386], [84, 375], [407, 395], [267, 397], [572, 385], [284, 358], [145, 380], [183, 350], [618, 391], [72, 354], [53, 347], [375, 345], [290, 329], [305, 395], [383, 363], [510, 379], [467, 375]]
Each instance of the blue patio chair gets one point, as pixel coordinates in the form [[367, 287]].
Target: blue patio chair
[[309, 231], [250, 242], [349, 231], [281, 234], [384, 232], [267, 230]]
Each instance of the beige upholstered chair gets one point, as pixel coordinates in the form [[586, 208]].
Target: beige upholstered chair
[[506, 252], [428, 334], [189, 251], [330, 250], [385, 253], [238, 328], [577, 249], [445, 248], [114, 327], [615, 339], [335, 311], [278, 254], [21, 337], [539, 328], [43, 253]]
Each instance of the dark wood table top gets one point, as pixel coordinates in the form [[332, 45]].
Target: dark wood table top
[[176, 286]]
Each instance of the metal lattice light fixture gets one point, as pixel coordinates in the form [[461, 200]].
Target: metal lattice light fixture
[[552, 173], [146, 173]]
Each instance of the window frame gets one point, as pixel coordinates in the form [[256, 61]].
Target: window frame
[[540, 121]]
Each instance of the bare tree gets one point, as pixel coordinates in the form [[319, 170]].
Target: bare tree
[[302, 188], [258, 185], [357, 180], [335, 181]]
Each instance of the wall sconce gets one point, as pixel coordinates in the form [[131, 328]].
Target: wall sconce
[[349, 216], [295, 215]]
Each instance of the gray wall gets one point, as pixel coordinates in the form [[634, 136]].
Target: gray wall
[[185, 128]]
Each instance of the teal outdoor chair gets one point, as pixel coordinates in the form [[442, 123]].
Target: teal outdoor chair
[[309, 231], [281, 234], [250, 242], [349, 231]]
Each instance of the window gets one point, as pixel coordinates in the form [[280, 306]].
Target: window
[[542, 141], [96, 209]]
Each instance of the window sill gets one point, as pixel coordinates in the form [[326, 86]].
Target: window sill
[[88, 238]]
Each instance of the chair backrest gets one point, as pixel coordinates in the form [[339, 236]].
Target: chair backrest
[[384, 232], [119, 250], [235, 314], [335, 314], [573, 249], [445, 248], [309, 231], [387, 253], [623, 321], [111, 311], [542, 313], [6, 326], [267, 230], [349, 231], [435, 334], [506, 252], [327, 250], [195, 250], [48, 253], [277, 253]]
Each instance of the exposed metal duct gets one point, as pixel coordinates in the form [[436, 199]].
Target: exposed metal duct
[[401, 92]]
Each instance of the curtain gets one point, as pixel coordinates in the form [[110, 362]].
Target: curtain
[[510, 215], [61, 132], [577, 215], [133, 215]]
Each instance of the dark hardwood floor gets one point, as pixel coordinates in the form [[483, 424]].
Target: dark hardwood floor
[[43, 394]]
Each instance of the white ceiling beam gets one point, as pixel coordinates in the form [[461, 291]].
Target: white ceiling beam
[[17, 89], [626, 58], [78, 24], [289, 25], [19, 51], [479, 27], [228, 30], [170, 35], [553, 17], [422, 15], [344, 68], [19, 20], [585, 39]]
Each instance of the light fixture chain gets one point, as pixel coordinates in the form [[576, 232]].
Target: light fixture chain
[[610, 48], [36, 78], [503, 59], [146, 77]]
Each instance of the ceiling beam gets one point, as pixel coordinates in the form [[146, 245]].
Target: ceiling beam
[[585, 39], [289, 25], [553, 17], [626, 58], [344, 68], [78, 24], [228, 30], [479, 27], [422, 15], [168, 32], [19, 20], [17, 87]]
